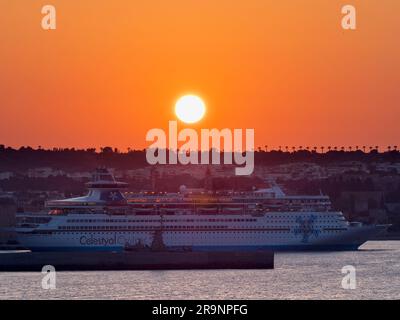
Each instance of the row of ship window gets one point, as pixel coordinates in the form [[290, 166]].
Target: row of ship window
[[181, 232], [135, 227], [222, 232], [158, 221], [189, 220], [164, 227], [219, 231], [168, 220]]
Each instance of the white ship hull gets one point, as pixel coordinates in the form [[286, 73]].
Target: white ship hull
[[277, 231]]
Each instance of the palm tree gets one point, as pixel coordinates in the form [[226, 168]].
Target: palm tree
[[266, 148], [389, 148], [350, 148], [294, 148], [287, 148], [322, 149], [280, 148], [395, 148], [364, 148]]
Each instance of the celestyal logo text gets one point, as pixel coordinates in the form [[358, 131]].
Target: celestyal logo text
[[191, 150], [110, 241]]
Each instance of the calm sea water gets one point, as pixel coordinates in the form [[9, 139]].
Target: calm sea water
[[296, 276]]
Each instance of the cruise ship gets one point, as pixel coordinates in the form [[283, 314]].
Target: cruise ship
[[110, 219]]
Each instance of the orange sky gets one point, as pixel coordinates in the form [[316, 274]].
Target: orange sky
[[113, 69]]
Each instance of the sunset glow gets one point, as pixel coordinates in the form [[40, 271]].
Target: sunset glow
[[112, 70]]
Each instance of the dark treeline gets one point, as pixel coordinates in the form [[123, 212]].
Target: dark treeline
[[71, 159], [60, 183], [275, 157]]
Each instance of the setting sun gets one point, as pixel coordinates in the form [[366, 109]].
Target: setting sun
[[190, 109]]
